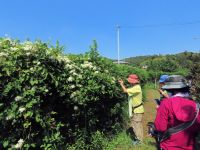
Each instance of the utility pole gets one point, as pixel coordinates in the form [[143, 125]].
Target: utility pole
[[118, 27]]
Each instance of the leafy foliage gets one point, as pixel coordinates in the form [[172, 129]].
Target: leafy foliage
[[50, 100], [194, 76]]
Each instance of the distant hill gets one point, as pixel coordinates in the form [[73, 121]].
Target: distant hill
[[181, 58]]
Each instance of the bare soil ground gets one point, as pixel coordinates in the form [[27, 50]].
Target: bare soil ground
[[149, 116], [150, 108]]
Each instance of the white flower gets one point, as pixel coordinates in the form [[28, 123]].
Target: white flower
[[19, 144], [80, 76], [66, 59], [2, 54], [94, 68], [73, 95], [113, 80], [72, 86], [38, 63], [69, 66], [79, 85], [21, 141], [13, 48], [63, 58], [87, 65], [106, 71], [70, 79], [75, 107], [8, 117], [18, 98], [96, 72], [22, 109], [72, 71], [28, 47], [75, 74], [28, 53]]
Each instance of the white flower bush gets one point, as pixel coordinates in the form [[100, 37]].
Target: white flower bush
[[50, 98]]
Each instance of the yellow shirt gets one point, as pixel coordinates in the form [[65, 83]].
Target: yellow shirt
[[135, 99]]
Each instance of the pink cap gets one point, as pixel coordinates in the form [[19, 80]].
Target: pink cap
[[133, 78]]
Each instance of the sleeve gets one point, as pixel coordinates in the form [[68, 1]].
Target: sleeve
[[133, 91], [165, 92], [161, 120]]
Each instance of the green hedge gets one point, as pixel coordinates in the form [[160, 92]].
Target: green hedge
[[50, 100]]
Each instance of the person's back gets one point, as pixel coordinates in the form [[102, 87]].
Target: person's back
[[174, 111], [177, 110]]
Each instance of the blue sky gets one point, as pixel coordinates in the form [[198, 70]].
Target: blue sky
[[148, 27]]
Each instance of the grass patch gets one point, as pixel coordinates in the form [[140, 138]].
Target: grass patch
[[123, 142], [149, 85]]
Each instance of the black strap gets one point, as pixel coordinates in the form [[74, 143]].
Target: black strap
[[180, 127], [137, 106]]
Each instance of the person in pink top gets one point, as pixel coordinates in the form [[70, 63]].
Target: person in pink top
[[173, 111]]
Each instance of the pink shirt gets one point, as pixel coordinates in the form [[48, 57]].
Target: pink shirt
[[174, 111]]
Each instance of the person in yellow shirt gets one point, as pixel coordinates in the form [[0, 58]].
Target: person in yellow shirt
[[136, 109]]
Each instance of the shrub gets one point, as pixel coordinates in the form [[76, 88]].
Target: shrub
[[49, 101]]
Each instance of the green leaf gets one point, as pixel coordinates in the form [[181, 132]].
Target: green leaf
[[5, 144], [28, 114], [26, 124]]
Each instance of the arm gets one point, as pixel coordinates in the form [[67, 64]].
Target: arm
[[161, 121], [121, 82], [163, 93]]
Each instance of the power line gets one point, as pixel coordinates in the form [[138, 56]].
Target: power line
[[162, 25]]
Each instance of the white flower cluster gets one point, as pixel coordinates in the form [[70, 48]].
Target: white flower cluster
[[27, 46], [70, 79], [79, 85], [69, 66], [11, 41], [14, 48], [22, 109], [87, 64], [9, 117], [18, 98], [113, 79], [73, 72], [106, 71], [19, 144], [73, 95], [2, 54], [72, 86], [80, 76], [64, 58]]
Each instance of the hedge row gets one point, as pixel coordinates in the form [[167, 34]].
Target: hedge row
[[50, 100]]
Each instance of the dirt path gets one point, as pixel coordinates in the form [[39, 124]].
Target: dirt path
[[149, 116], [150, 108]]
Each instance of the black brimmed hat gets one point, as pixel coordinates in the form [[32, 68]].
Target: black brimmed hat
[[175, 82]]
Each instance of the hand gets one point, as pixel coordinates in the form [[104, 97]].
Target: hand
[[160, 91], [121, 81]]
